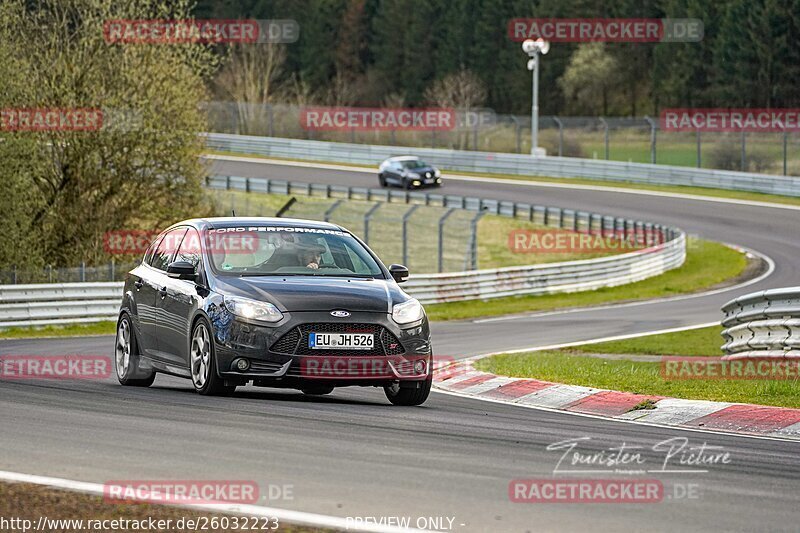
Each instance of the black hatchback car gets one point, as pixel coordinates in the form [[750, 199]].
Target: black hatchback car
[[273, 302], [409, 172]]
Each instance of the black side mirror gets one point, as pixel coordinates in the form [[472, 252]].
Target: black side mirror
[[181, 270], [399, 273]]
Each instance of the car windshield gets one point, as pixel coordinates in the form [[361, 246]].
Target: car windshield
[[272, 251], [414, 163]]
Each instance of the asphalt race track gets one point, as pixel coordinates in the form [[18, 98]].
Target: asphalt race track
[[352, 454]]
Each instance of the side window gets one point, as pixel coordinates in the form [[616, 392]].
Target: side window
[[148, 255], [166, 248], [190, 248], [359, 267]]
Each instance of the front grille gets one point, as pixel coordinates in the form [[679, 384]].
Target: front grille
[[288, 343], [295, 342]]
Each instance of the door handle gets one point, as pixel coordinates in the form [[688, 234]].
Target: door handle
[[138, 284], [163, 292]]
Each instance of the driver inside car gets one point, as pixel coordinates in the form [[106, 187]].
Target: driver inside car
[[309, 255]]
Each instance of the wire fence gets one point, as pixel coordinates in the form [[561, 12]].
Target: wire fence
[[408, 234], [427, 231], [637, 140]]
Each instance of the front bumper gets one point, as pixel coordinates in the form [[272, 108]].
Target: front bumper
[[271, 363]]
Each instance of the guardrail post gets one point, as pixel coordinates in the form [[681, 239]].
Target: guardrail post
[[247, 185], [50, 273], [560, 136], [14, 274], [367, 218], [546, 220], [83, 271], [406, 217], [227, 183], [441, 237]]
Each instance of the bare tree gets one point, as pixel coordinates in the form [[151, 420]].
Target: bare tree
[[249, 80], [463, 91]]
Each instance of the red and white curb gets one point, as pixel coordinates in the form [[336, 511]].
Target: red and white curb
[[463, 379]]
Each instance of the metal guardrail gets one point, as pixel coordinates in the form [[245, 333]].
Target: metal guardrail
[[58, 303], [764, 324], [43, 304], [504, 163]]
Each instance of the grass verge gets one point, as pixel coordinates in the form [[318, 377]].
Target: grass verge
[[72, 330], [573, 367], [702, 342], [707, 264]]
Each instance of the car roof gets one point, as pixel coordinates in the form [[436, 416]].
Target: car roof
[[226, 222], [403, 158]]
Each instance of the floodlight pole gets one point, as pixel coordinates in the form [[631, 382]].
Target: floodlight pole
[[535, 50], [535, 105]]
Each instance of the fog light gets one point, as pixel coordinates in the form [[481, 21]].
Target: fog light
[[419, 367], [416, 182], [242, 365]]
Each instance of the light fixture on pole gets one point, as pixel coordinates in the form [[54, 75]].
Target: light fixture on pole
[[534, 49]]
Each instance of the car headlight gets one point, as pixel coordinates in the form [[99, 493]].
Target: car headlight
[[252, 310], [436, 173], [407, 312]]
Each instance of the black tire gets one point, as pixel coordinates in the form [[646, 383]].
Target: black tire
[[203, 362], [320, 390], [382, 180], [409, 397], [127, 365]]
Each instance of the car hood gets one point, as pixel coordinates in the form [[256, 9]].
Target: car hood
[[423, 170], [310, 293]]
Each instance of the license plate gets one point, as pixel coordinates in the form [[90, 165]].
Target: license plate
[[341, 341]]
